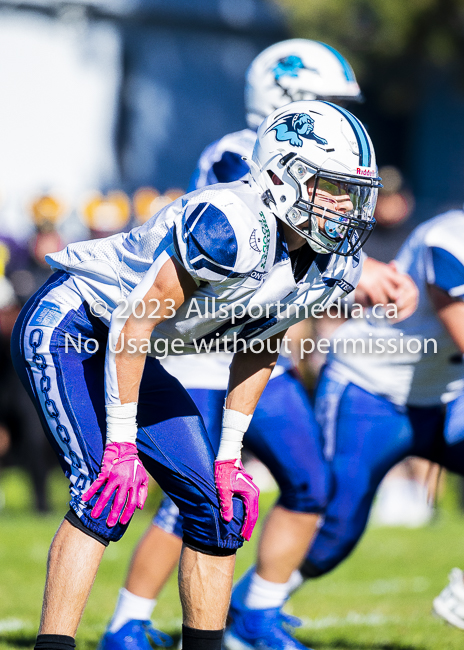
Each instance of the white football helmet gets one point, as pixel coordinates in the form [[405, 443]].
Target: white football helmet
[[315, 165], [294, 70]]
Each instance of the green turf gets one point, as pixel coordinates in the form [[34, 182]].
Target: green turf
[[379, 599]]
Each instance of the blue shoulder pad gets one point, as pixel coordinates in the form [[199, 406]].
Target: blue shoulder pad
[[448, 271], [230, 168], [211, 241]]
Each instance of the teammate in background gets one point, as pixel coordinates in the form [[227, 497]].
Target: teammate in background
[[403, 396], [283, 423], [290, 71], [312, 189]]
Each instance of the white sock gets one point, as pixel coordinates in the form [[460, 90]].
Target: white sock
[[263, 594], [130, 607], [296, 579]]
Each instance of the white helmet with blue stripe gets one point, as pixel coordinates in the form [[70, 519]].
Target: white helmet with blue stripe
[[315, 165], [293, 70]]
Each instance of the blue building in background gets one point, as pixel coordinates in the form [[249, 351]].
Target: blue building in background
[[104, 94], [183, 81]]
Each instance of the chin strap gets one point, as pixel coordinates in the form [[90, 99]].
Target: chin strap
[[259, 176], [267, 199]]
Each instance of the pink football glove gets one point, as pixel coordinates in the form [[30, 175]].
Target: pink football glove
[[231, 479], [124, 474]]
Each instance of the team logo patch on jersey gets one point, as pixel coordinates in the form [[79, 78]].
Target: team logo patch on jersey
[[47, 315], [345, 286], [295, 126], [266, 239], [256, 275], [255, 241]]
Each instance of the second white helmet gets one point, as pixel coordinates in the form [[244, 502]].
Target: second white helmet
[[293, 70], [315, 165]]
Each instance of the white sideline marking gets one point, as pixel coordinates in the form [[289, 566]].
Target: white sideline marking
[[352, 618], [394, 585], [400, 585], [12, 625]]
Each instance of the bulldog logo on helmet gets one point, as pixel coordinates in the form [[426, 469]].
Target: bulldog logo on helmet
[[288, 66], [295, 126]]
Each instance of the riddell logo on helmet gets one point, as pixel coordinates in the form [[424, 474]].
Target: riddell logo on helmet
[[366, 171]]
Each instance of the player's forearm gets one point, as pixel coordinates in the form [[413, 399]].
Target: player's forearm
[[246, 385], [121, 418], [130, 358], [249, 374], [172, 286]]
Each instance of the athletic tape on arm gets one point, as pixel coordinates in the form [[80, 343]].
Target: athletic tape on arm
[[121, 423], [234, 427]]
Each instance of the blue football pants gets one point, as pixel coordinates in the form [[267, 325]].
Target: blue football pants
[[67, 388], [283, 434], [365, 436]]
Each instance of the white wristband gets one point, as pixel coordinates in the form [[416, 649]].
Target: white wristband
[[121, 423], [234, 427]]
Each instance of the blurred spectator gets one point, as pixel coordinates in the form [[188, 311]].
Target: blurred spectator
[[394, 207], [395, 203], [106, 215], [22, 440], [26, 266], [148, 201], [22, 270]]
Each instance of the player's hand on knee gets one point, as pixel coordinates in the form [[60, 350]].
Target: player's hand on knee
[[123, 475], [232, 480]]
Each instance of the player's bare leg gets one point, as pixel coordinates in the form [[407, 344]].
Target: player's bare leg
[[205, 583], [258, 597], [73, 561], [155, 558], [153, 561], [284, 543]]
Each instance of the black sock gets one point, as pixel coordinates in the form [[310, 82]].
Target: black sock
[[193, 639], [54, 642]]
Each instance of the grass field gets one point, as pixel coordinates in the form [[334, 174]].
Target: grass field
[[379, 599]]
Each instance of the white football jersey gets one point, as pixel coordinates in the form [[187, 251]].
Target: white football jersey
[[233, 248], [220, 162], [412, 369]]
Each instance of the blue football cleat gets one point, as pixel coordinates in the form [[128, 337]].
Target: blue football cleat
[[261, 628], [135, 635]]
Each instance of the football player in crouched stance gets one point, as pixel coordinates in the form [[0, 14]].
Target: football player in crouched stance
[[110, 411], [283, 433]]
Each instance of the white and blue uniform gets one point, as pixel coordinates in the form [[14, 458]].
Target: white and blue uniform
[[378, 407], [221, 162], [212, 233], [283, 423]]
